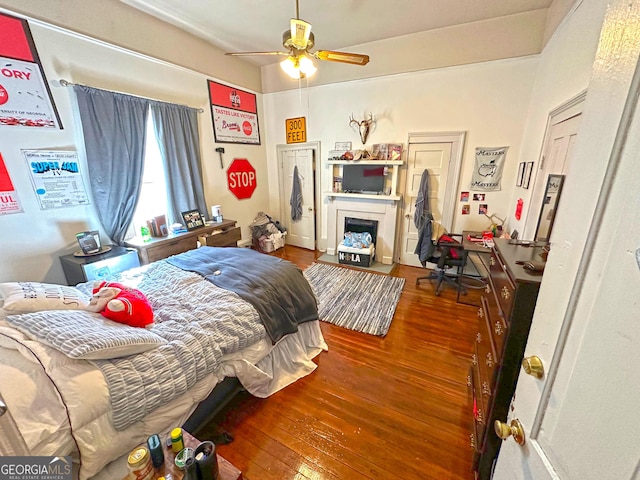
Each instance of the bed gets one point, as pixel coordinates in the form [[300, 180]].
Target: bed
[[77, 384]]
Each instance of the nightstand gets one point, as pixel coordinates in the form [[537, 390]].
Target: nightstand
[[104, 266]]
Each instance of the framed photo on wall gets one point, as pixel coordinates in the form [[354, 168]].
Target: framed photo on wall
[[192, 219], [527, 175], [520, 178]]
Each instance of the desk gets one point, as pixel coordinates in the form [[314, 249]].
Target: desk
[[162, 247], [479, 250]]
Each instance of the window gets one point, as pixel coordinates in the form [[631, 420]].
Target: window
[[153, 195]]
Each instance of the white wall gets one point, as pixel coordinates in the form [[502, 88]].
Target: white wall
[[487, 100], [564, 71], [31, 242]]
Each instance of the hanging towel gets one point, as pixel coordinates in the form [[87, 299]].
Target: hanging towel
[[296, 197], [422, 219], [422, 207]]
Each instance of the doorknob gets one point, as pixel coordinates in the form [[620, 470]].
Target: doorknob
[[533, 366], [406, 215], [505, 431]]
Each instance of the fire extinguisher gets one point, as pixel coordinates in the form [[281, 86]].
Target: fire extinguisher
[[519, 208]]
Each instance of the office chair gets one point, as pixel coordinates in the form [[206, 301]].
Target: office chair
[[449, 253]]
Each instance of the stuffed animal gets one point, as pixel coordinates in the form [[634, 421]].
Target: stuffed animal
[[121, 304]]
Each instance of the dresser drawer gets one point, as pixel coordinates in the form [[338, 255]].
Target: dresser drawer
[[479, 411], [487, 358], [224, 238], [495, 324], [171, 248], [500, 284]]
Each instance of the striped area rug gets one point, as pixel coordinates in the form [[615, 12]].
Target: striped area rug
[[354, 299]]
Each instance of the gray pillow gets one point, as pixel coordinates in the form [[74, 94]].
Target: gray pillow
[[86, 335]]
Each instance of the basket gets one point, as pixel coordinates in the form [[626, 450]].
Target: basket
[[273, 242]]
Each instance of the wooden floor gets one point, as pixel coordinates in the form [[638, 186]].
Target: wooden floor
[[381, 408]]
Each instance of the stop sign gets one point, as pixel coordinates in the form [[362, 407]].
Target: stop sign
[[241, 178]]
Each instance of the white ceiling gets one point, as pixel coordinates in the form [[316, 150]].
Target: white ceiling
[[257, 25]]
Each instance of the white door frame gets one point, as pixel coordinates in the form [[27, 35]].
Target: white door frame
[[315, 146], [565, 111], [456, 139]]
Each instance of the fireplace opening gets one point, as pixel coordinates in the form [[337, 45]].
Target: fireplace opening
[[360, 225]]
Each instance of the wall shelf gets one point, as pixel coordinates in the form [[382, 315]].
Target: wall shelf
[[365, 162], [364, 196]]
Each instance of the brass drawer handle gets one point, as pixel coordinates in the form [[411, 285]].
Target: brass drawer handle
[[492, 261], [487, 288], [485, 388], [505, 293], [474, 359], [472, 440], [489, 360], [478, 337], [469, 381], [498, 328], [480, 313]]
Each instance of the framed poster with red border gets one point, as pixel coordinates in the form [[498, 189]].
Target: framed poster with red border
[[25, 97], [234, 113]]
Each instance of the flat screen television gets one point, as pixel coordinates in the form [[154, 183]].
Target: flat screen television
[[363, 179]]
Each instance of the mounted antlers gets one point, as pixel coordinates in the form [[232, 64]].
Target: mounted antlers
[[364, 126]]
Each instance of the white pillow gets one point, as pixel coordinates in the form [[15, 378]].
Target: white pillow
[[27, 297], [90, 336]]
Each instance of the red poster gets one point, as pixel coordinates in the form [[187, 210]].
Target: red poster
[[14, 40], [9, 201], [234, 113], [25, 98]]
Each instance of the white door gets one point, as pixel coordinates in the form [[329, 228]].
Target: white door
[[581, 418], [441, 155], [558, 148], [300, 233]]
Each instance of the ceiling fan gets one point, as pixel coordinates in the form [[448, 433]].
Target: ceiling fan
[[298, 40]]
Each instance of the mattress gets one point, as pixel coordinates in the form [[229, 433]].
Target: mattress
[[67, 405], [43, 415]]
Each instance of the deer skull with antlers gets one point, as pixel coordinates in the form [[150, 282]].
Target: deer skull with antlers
[[364, 126]]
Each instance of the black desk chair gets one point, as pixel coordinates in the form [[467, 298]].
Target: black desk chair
[[449, 254]]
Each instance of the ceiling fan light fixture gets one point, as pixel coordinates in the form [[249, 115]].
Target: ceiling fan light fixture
[[298, 67], [291, 67], [306, 66]]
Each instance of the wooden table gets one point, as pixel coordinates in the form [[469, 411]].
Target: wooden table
[[171, 472], [225, 234]]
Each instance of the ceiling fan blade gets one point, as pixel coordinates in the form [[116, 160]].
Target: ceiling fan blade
[[300, 32], [344, 57], [243, 54]]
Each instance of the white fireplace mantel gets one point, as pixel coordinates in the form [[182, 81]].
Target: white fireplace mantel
[[383, 209]]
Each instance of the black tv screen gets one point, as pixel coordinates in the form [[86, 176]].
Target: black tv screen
[[362, 179]]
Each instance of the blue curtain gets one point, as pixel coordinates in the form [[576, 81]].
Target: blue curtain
[[176, 129], [113, 126]]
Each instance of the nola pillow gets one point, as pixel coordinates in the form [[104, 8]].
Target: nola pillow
[[28, 297]]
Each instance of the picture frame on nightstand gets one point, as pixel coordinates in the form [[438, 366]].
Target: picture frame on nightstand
[[192, 219]]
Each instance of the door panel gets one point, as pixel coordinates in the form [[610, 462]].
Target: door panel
[[300, 233], [436, 158], [581, 418]]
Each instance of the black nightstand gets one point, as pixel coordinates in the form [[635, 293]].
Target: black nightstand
[[105, 266]]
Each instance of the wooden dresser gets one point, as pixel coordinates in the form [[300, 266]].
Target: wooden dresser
[[504, 319], [223, 234]]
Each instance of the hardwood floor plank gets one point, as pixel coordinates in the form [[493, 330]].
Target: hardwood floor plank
[[376, 408]]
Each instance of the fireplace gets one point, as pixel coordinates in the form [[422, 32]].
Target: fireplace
[[361, 225], [356, 250], [364, 207]]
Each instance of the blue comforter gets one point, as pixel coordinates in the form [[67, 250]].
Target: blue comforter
[[276, 288]]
